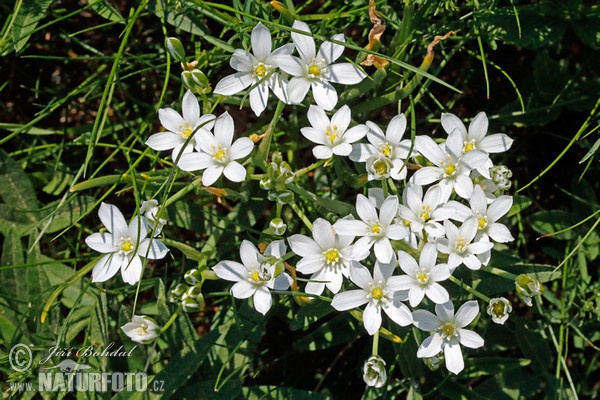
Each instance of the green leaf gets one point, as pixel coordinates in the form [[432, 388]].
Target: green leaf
[[310, 313], [519, 204], [280, 392], [108, 10], [492, 365], [341, 328], [551, 221], [13, 280], [28, 14], [16, 189]]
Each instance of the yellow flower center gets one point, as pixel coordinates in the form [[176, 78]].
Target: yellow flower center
[[185, 131], [314, 70], [220, 154], [423, 277], [376, 229], [386, 149], [126, 245], [470, 146], [255, 276], [332, 133], [482, 222], [425, 213], [461, 243], [448, 329], [377, 293], [450, 169], [143, 329], [405, 222], [332, 256], [260, 70]]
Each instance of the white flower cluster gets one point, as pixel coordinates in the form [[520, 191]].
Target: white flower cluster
[[392, 255]]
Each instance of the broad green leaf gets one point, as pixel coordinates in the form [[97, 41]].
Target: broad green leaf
[[492, 365], [106, 9], [310, 313], [339, 329], [66, 215], [519, 204], [532, 343], [551, 221], [28, 15], [11, 219], [13, 275], [16, 189]]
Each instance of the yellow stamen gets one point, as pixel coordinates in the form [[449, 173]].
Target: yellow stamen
[[482, 222], [386, 149], [425, 213], [448, 329], [143, 329], [376, 229], [461, 243], [260, 70], [469, 146], [126, 246], [332, 256], [314, 70], [423, 277], [255, 277], [332, 133], [498, 309], [377, 293], [185, 131], [450, 169], [220, 154]]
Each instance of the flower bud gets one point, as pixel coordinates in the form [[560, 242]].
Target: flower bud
[[498, 309], [379, 167], [190, 305], [278, 227], [193, 292], [193, 276], [178, 291], [501, 176], [435, 362], [527, 287], [374, 373], [175, 48]]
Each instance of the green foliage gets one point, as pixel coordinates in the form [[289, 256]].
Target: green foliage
[[83, 83]]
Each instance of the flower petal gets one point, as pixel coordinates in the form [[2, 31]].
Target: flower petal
[[190, 108], [467, 313], [324, 94], [235, 172], [346, 74], [262, 300], [470, 339], [113, 219], [131, 271], [305, 44], [261, 42], [231, 271], [106, 267], [399, 313], [101, 242], [243, 289], [349, 300], [164, 141], [453, 356], [372, 318], [431, 346]]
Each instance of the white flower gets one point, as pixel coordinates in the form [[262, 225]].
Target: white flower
[[332, 137], [498, 309], [382, 146], [258, 69], [486, 215], [424, 212], [328, 257], [149, 209], [316, 70], [141, 329], [451, 167], [374, 373], [377, 292], [448, 332], [422, 279], [257, 274], [180, 128], [460, 246], [218, 155], [376, 230], [475, 137], [123, 245]]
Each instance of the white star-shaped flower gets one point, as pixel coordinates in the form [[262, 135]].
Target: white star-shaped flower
[[424, 212], [123, 245], [422, 278], [377, 292], [256, 274], [316, 70], [448, 332], [451, 167], [384, 146], [376, 230], [180, 128], [259, 70], [327, 256], [461, 246], [218, 155], [332, 136]]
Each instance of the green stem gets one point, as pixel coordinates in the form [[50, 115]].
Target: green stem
[[300, 214], [469, 289], [171, 320], [314, 165], [375, 343]]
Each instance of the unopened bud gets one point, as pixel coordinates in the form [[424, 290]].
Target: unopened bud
[[193, 276], [374, 373], [175, 48], [498, 309], [278, 227]]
